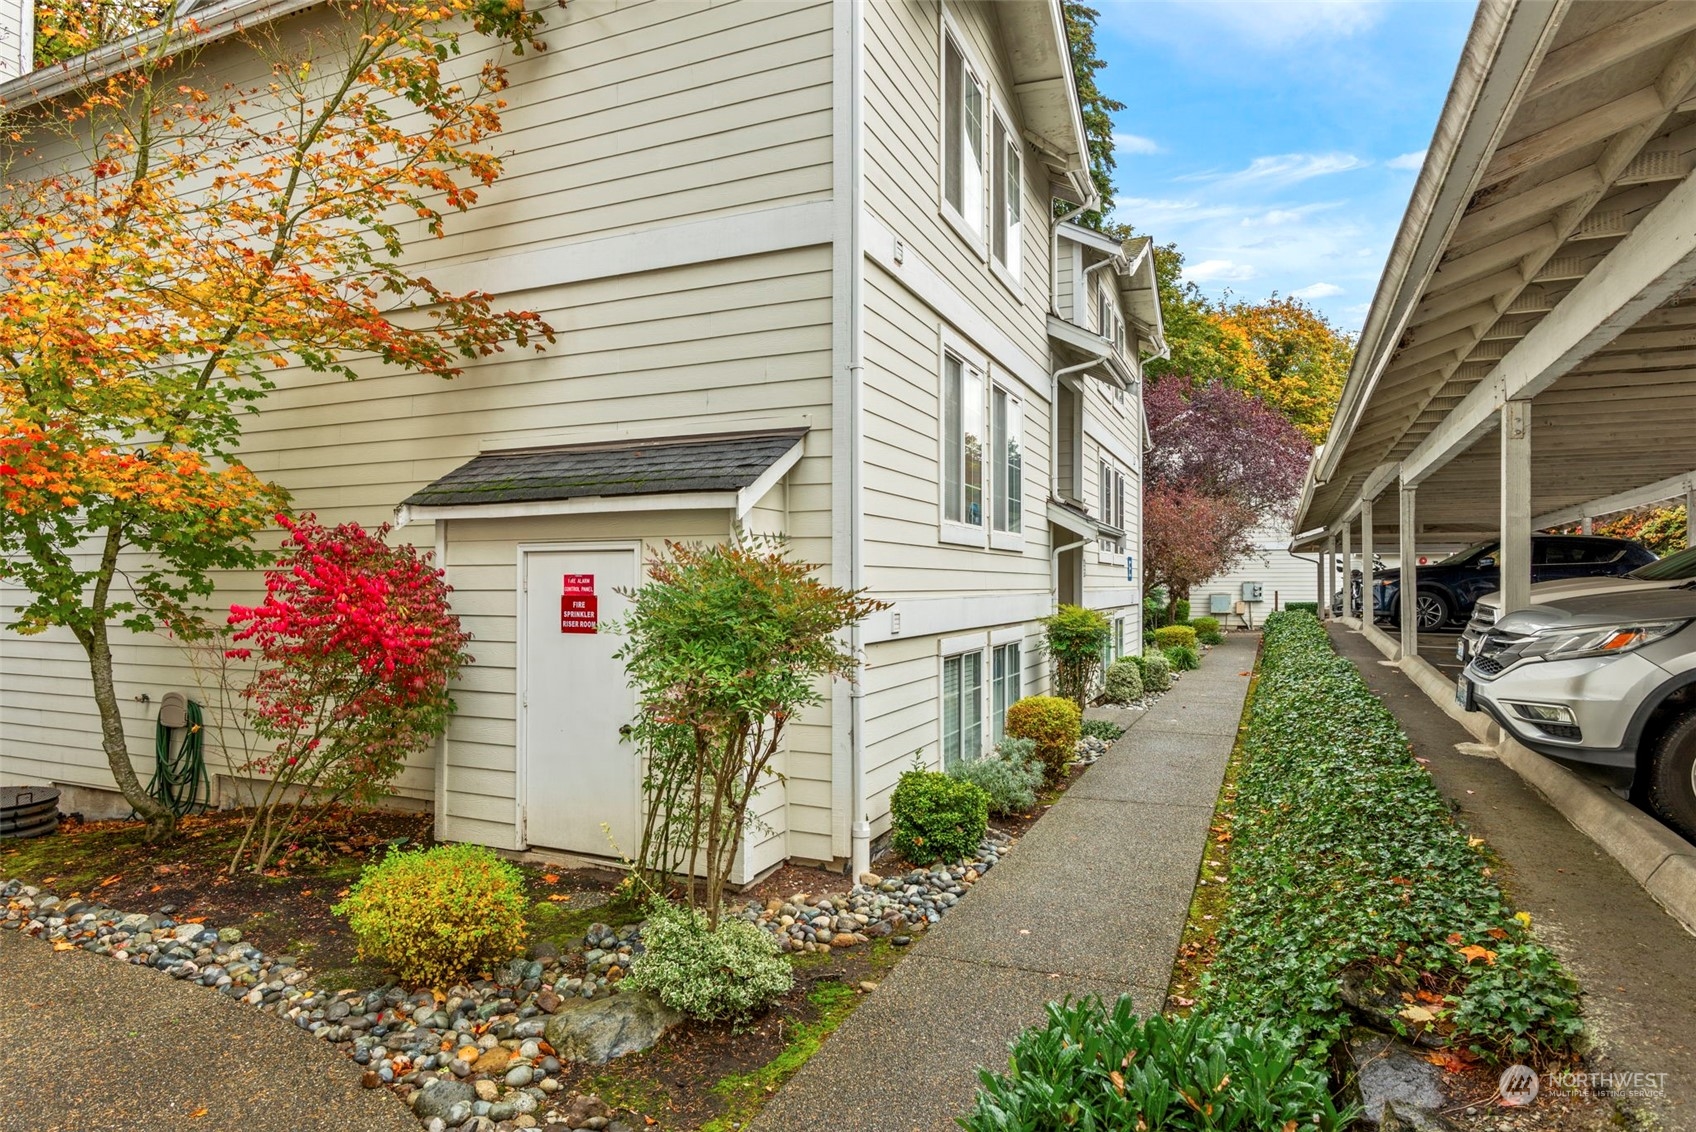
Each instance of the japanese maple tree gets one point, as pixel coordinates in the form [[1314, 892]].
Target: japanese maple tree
[[166, 247], [356, 644]]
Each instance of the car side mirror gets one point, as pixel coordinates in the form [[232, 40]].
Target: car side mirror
[[1486, 563]]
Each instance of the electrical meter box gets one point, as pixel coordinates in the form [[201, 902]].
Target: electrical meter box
[[1219, 603], [1252, 591]]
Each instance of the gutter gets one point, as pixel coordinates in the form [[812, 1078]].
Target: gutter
[[860, 826]]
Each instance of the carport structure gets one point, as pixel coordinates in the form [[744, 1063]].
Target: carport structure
[[1529, 359]]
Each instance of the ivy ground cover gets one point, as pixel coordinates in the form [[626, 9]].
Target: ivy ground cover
[[1346, 860]]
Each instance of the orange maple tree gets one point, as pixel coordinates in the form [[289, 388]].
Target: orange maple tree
[[166, 248]]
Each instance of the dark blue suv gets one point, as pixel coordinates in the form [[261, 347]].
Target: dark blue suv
[[1448, 588]]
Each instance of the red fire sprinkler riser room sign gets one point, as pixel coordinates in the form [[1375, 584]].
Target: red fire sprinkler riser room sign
[[577, 604]]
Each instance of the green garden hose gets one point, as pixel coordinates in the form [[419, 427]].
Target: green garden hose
[[179, 779]]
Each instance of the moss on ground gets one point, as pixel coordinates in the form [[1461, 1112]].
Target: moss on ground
[[744, 1093]]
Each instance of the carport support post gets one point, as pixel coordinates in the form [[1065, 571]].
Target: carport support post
[[1409, 591], [1516, 506], [1588, 527], [1689, 510], [1366, 561], [1348, 569]]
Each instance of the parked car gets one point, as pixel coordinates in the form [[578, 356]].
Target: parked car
[[1662, 574], [1448, 590], [1603, 681]]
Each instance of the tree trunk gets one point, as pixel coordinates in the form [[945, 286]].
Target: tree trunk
[[161, 822]]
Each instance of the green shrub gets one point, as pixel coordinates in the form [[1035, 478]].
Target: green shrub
[[1345, 855], [1100, 1067], [1156, 672], [934, 817], [1182, 658], [1302, 607], [1173, 636], [1123, 684], [1181, 611], [1054, 723], [730, 972], [1076, 639], [434, 915], [1104, 729], [1010, 777], [1207, 630]]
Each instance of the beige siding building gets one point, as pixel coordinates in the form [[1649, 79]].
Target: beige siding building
[[802, 262]]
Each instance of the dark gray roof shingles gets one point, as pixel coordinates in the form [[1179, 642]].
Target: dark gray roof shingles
[[669, 465]]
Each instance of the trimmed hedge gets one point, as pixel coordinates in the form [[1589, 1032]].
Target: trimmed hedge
[[1345, 856], [1123, 684], [1054, 723], [1156, 672], [1207, 630], [1174, 636], [934, 817], [1301, 607]]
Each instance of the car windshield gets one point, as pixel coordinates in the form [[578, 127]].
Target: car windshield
[[1476, 550], [1672, 568]]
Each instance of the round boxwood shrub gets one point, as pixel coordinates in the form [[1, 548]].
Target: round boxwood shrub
[[1055, 725], [1124, 682], [732, 972], [1173, 636], [1156, 672], [934, 817], [434, 915]]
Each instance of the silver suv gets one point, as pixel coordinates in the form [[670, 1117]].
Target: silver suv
[[1670, 571], [1605, 681]]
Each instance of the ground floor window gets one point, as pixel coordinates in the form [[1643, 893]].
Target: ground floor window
[[962, 708], [1006, 683]]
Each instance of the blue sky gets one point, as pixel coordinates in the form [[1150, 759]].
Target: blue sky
[[1276, 143]]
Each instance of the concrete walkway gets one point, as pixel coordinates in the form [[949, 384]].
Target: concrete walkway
[[87, 1042], [1092, 901], [1633, 961]]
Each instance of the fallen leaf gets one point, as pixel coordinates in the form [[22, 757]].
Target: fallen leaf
[[1448, 1060], [1475, 842], [1523, 917], [195, 920], [1118, 1080], [199, 1112], [306, 892], [1497, 933], [1418, 1014], [550, 878], [1475, 952], [558, 897], [61, 945]]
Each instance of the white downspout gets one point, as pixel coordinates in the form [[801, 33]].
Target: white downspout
[[860, 827]]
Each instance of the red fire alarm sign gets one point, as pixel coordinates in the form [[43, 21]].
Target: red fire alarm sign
[[577, 613]]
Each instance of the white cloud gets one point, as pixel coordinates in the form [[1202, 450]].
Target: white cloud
[[1135, 143], [1219, 271], [1407, 160], [1317, 291], [1269, 24], [1282, 170]]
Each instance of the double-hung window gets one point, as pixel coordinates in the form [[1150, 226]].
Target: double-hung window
[[1111, 506], [962, 138], [962, 442], [1005, 685], [1007, 461], [1005, 196], [962, 708]]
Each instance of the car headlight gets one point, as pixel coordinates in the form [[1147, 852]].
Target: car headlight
[[1569, 644]]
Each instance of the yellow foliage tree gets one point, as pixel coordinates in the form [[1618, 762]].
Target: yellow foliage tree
[[1297, 360]]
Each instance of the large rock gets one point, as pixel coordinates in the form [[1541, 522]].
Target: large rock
[[599, 1029], [1392, 1076], [441, 1098]]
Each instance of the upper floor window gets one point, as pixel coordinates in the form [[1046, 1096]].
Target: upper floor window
[[1007, 460], [962, 442], [1111, 506], [1006, 197], [962, 137]]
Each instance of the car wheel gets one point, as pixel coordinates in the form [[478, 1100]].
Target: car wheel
[[1432, 610], [1672, 775]]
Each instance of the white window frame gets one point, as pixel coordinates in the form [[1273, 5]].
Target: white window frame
[[973, 365], [956, 650], [995, 495], [970, 219], [999, 646], [1010, 270], [1112, 485]]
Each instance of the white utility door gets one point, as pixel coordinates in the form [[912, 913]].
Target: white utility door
[[578, 773]]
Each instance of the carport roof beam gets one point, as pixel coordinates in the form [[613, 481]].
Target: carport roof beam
[[1648, 267], [1670, 488]]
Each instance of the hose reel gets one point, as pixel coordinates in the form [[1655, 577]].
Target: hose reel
[[179, 746]]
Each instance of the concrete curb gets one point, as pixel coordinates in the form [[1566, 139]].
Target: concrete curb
[[1656, 857]]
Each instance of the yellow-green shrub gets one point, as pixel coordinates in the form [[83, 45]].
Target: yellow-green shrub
[[434, 915], [1053, 723], [1174, 636]]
